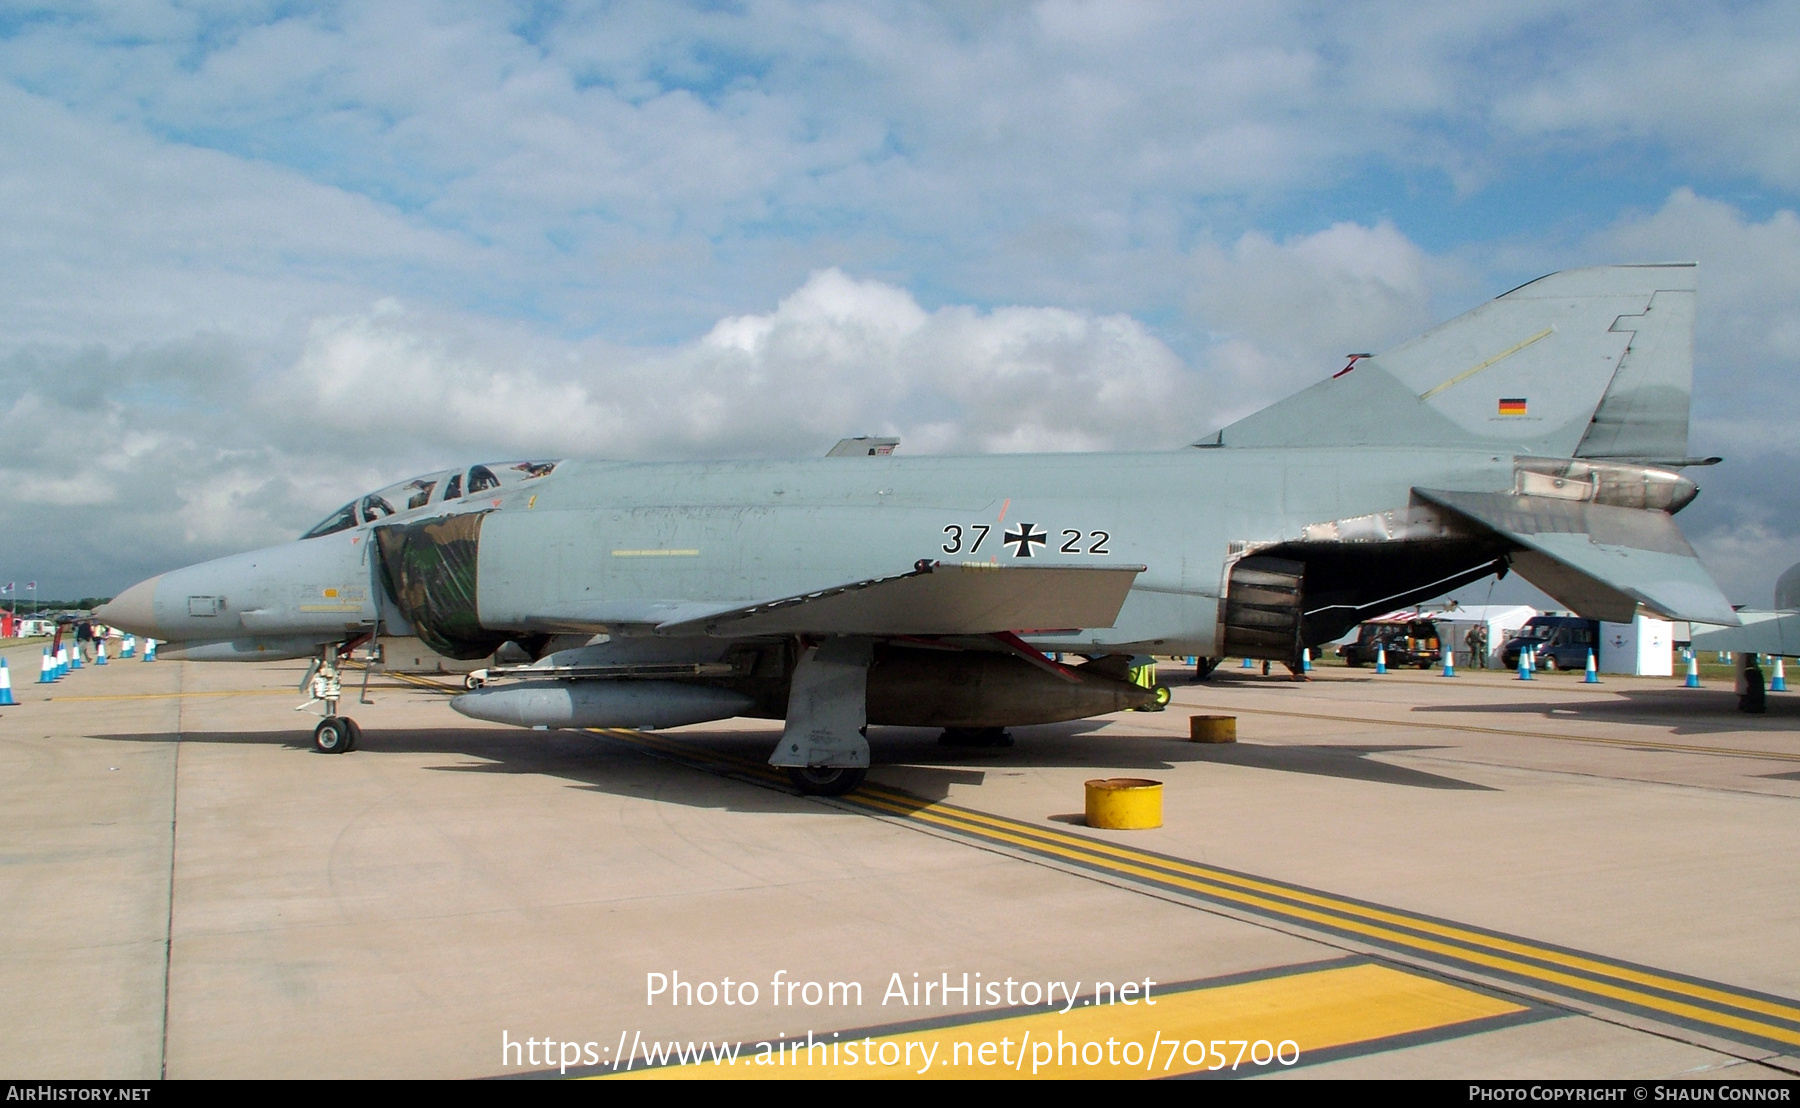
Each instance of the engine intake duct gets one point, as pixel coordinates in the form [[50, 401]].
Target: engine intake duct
[[1263, 613]]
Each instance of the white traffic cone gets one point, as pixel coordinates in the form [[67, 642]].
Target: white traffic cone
[[128, 646], [1449, 663], [1593, 671], [1693, 671], [1380, 658], [46, 669], [100, 650], [1779, 682], [149, 650], [6, 695]]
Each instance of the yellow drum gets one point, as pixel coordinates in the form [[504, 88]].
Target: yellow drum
[[1124, 803], [1212, 729]]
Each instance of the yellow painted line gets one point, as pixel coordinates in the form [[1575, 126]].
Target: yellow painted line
[[1494, 952], [1646, 744], [656, 553], [1299, 1013], [417, 681], [1496, 359], [1344, 916], [177, 695]]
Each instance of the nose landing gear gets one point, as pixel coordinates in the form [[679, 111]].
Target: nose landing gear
[[335, 734]]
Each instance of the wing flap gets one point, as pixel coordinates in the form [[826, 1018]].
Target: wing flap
[[1604, 562], [969, 598]]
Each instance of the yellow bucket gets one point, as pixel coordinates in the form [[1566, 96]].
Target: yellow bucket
[[1212, 729], [1124, 803]]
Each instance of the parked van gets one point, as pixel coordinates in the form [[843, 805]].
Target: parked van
[[1559, 642]]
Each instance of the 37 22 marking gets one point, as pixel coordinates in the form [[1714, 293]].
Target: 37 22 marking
[[961, 539]]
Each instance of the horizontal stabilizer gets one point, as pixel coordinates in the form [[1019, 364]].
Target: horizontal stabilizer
[[1603, 561], [1761, 633], [966, 598]]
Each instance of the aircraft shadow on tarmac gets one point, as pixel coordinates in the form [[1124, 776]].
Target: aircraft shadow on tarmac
[[910, 759], [1685, 711]]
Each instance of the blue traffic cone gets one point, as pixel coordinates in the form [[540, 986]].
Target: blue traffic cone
[[100, 651], [62, 662], [1449, 663], [1524, 663], [1779, 682], [1693, 672], [6, 696], [128, 646], [1306, 659], [1593, 671], [46, 670], [1248, 664], [149, 650], [1380, 659], [75, 657]]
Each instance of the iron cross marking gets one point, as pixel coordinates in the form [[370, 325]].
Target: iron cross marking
[[1022, 539]]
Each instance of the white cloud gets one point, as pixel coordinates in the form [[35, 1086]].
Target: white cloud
[[1288, 312]]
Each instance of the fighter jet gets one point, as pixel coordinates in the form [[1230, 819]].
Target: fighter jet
[[1542, 433]]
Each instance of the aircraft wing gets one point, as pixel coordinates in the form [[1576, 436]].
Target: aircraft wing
[[937, 598], [1602, 561]]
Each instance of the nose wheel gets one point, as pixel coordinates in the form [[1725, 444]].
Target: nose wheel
[[336, 735]]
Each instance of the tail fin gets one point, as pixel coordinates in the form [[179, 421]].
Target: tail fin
[[1593, 363]]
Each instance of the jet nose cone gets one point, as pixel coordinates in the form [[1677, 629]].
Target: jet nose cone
[[133, 610]]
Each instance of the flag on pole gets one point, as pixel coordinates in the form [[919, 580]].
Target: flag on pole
[[8, 587]]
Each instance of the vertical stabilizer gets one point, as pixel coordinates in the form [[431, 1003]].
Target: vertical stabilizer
[[1594, 363]]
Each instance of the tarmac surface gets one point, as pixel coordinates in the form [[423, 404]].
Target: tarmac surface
[[1395, 876]]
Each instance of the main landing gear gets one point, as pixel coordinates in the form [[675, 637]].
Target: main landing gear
[[824, 747]]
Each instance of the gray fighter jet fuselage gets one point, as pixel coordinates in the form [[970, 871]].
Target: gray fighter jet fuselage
[[1542, 433]]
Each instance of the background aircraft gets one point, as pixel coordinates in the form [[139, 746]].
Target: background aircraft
[[1542, 432]]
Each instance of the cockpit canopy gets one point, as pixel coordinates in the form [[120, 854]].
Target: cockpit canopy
[[442, 487]]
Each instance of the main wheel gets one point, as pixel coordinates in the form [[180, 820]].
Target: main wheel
[[332, 735], [1549, 663], [1163, 696], [825, 780], [975, 736], [355, 734]]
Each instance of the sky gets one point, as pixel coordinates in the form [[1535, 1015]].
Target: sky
[[257, 258]]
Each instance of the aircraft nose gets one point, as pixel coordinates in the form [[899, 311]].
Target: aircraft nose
[[133, 610]]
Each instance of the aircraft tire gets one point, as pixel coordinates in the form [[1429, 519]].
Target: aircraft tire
[[331, 736], [825, 780], [355, 730]]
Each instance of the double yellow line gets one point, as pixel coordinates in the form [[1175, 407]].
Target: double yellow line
[[1585, 978]]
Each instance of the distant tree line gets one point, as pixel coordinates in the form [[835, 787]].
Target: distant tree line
[[27, 606]]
